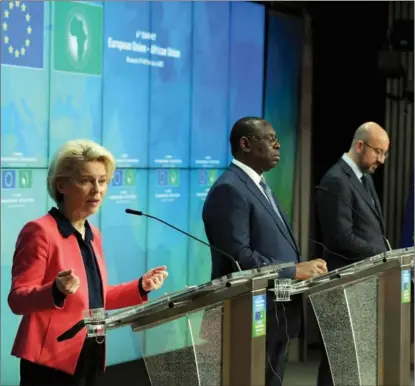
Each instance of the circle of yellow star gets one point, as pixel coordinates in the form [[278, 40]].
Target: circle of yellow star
[[15, 51]]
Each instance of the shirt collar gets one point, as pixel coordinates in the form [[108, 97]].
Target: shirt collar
[[66, 228], [353, 166], [248, 170]]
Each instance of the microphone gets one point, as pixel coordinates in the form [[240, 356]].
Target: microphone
[[140, 213], [325, 189]]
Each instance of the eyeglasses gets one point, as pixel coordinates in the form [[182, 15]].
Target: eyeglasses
[[379, 152], [270, 139]]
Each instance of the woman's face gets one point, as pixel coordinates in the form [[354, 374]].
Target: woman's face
[[84, 192]]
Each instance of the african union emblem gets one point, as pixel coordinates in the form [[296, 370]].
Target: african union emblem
[[22, 26], [77, 37]]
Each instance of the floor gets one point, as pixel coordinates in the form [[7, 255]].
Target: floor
[[305, 374], [301, 374]]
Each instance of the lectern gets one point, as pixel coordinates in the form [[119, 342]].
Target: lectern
[[363, 312], [229, 350]]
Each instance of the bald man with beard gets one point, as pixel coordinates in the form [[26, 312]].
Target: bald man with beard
[[348, 184]]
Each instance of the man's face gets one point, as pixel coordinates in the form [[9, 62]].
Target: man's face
[[372, 153], [263, 147]]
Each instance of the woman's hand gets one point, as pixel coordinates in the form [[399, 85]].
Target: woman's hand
[[153, 279], [67, 282]]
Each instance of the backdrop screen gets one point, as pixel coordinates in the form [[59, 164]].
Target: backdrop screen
[[159, 84], [282, 100]]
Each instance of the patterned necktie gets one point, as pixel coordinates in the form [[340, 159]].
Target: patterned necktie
[[268, 193], [365, 182]]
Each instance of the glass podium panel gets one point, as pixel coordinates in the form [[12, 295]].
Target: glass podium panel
[[207, 334], [186, 351], [347, 316]]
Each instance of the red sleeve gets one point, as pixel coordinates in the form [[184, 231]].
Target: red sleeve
[[28, 291], [123, 295]]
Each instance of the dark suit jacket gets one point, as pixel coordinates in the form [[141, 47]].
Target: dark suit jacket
[[240, 220], [344, 231]]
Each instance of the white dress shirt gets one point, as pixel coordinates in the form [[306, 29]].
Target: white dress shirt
[[252, 174], [353, 165]]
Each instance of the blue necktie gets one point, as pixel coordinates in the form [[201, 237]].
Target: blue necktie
[[268, 193]]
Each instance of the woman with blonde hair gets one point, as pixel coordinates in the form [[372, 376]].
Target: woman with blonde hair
[[59, 271]]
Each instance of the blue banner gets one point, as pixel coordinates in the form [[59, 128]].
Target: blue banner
[[407, 239], [23, 198], [126, 81], [170, 83], [24, 83]]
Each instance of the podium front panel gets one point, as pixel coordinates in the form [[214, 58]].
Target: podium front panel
[[347, 316], [197, 362]]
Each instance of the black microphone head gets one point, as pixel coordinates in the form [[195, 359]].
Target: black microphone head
[[132, 211]]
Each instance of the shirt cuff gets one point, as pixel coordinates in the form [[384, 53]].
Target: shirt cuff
[[142, 291], [58, 296]]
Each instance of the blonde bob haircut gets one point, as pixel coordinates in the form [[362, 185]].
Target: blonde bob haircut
[[69, 159]]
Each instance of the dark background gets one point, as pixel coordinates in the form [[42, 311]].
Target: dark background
[[347, 87], [347, 91]]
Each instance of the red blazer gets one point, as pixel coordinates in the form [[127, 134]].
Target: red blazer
[[41, 253]]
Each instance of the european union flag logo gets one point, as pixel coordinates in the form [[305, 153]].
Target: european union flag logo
[[22, 27], [117, 179], [203, 177], [163, 177], [8, 179]]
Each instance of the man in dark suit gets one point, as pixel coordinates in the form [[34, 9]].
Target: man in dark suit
[[349, 210], [244, 219]]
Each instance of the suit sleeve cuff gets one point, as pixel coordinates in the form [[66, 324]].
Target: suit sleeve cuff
[[58, 296], [142, 291], [288, 273]]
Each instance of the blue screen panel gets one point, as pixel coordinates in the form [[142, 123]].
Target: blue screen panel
[[76, 82], [209, 139], [23, 198], [24, 83], [168, 200], [126, 81], [170, 84], [246, 61], [199, 265], [199, 262], [124, 238]]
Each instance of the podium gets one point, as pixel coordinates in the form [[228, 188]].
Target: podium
[[228, 350], [363, 312]]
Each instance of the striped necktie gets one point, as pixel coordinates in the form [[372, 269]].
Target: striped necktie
[[268, 194]]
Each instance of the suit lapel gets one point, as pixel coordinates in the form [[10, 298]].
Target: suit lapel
[[254, 189], [287, 225], [362, 191]]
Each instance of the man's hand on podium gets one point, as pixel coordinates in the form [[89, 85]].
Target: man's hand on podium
[[309, 269]]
